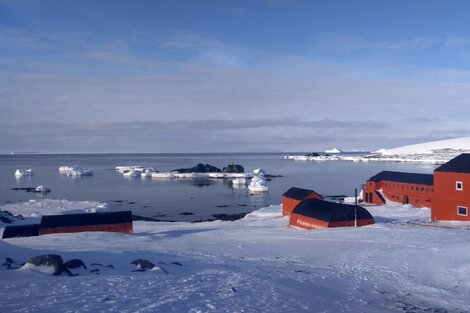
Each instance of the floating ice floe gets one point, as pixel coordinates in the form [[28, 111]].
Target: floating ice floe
[[126, 168], [21, 173], [239, 182], [132, 173], [75, 171], [42, 189], [258, 182], [162, 175], [148, 172], [334, 150]]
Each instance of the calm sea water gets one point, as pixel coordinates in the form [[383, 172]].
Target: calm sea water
[[182, 199]]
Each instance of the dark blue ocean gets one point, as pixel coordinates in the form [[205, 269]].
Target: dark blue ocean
[[182, 199]]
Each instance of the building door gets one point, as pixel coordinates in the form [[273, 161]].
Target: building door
[[406, 200]]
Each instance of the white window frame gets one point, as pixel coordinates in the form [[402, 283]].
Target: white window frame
[[461, 185], [462, 207]]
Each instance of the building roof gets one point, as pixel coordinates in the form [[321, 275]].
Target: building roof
[[86, 219], [330, 211], [21, 231], [299, 193], [459, 164], [409, 178]]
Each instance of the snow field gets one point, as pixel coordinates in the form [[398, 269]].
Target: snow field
[[256, 264]]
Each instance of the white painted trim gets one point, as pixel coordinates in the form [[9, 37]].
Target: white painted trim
[[461, 185]]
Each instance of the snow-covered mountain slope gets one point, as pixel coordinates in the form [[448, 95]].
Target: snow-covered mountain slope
[[256, 264], [462, 144]]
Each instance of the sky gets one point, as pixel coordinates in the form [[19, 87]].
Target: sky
[[231, 76]]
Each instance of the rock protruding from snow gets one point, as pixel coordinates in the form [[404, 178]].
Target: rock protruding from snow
[[49, 264], [74, 264], [233, 168], [143, 264], [11, 264]]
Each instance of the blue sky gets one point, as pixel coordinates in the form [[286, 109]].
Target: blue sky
[[210, 76]]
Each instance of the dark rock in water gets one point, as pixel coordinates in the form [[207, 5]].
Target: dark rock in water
[[95, 270], [51, 260], [74, 263], [222, 206], [199, 168], [143, 264], [234, 168], [313, 154], [186, 213], [32, 189], [27, 189]]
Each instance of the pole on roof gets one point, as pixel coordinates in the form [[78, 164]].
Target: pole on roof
[[355, 207]]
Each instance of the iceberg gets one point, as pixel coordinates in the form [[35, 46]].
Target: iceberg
[[334, 150], [258, 182], [42, 189], [21, 173]]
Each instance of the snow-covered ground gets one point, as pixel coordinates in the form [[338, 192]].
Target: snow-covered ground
[[435, 152], [256, 264]]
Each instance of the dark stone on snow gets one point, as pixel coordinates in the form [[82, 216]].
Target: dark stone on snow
[[11, 264], [177, 263], [186, 213], [95, 270], [149, 219], [199, 168], [52, 260], [234, 168], [74, 264], [143, 264], [230, 217], [99, 264]]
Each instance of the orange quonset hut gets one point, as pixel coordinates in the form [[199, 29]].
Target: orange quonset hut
[[413, 188], [452, 190], [292, 197], [314, 213]]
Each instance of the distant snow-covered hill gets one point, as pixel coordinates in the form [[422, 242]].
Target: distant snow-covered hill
[[457, 144]]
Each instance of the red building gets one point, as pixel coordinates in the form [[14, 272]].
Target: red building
[[451, 199], [292, 197], [415, 189], [120, 222], [315, 213]]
